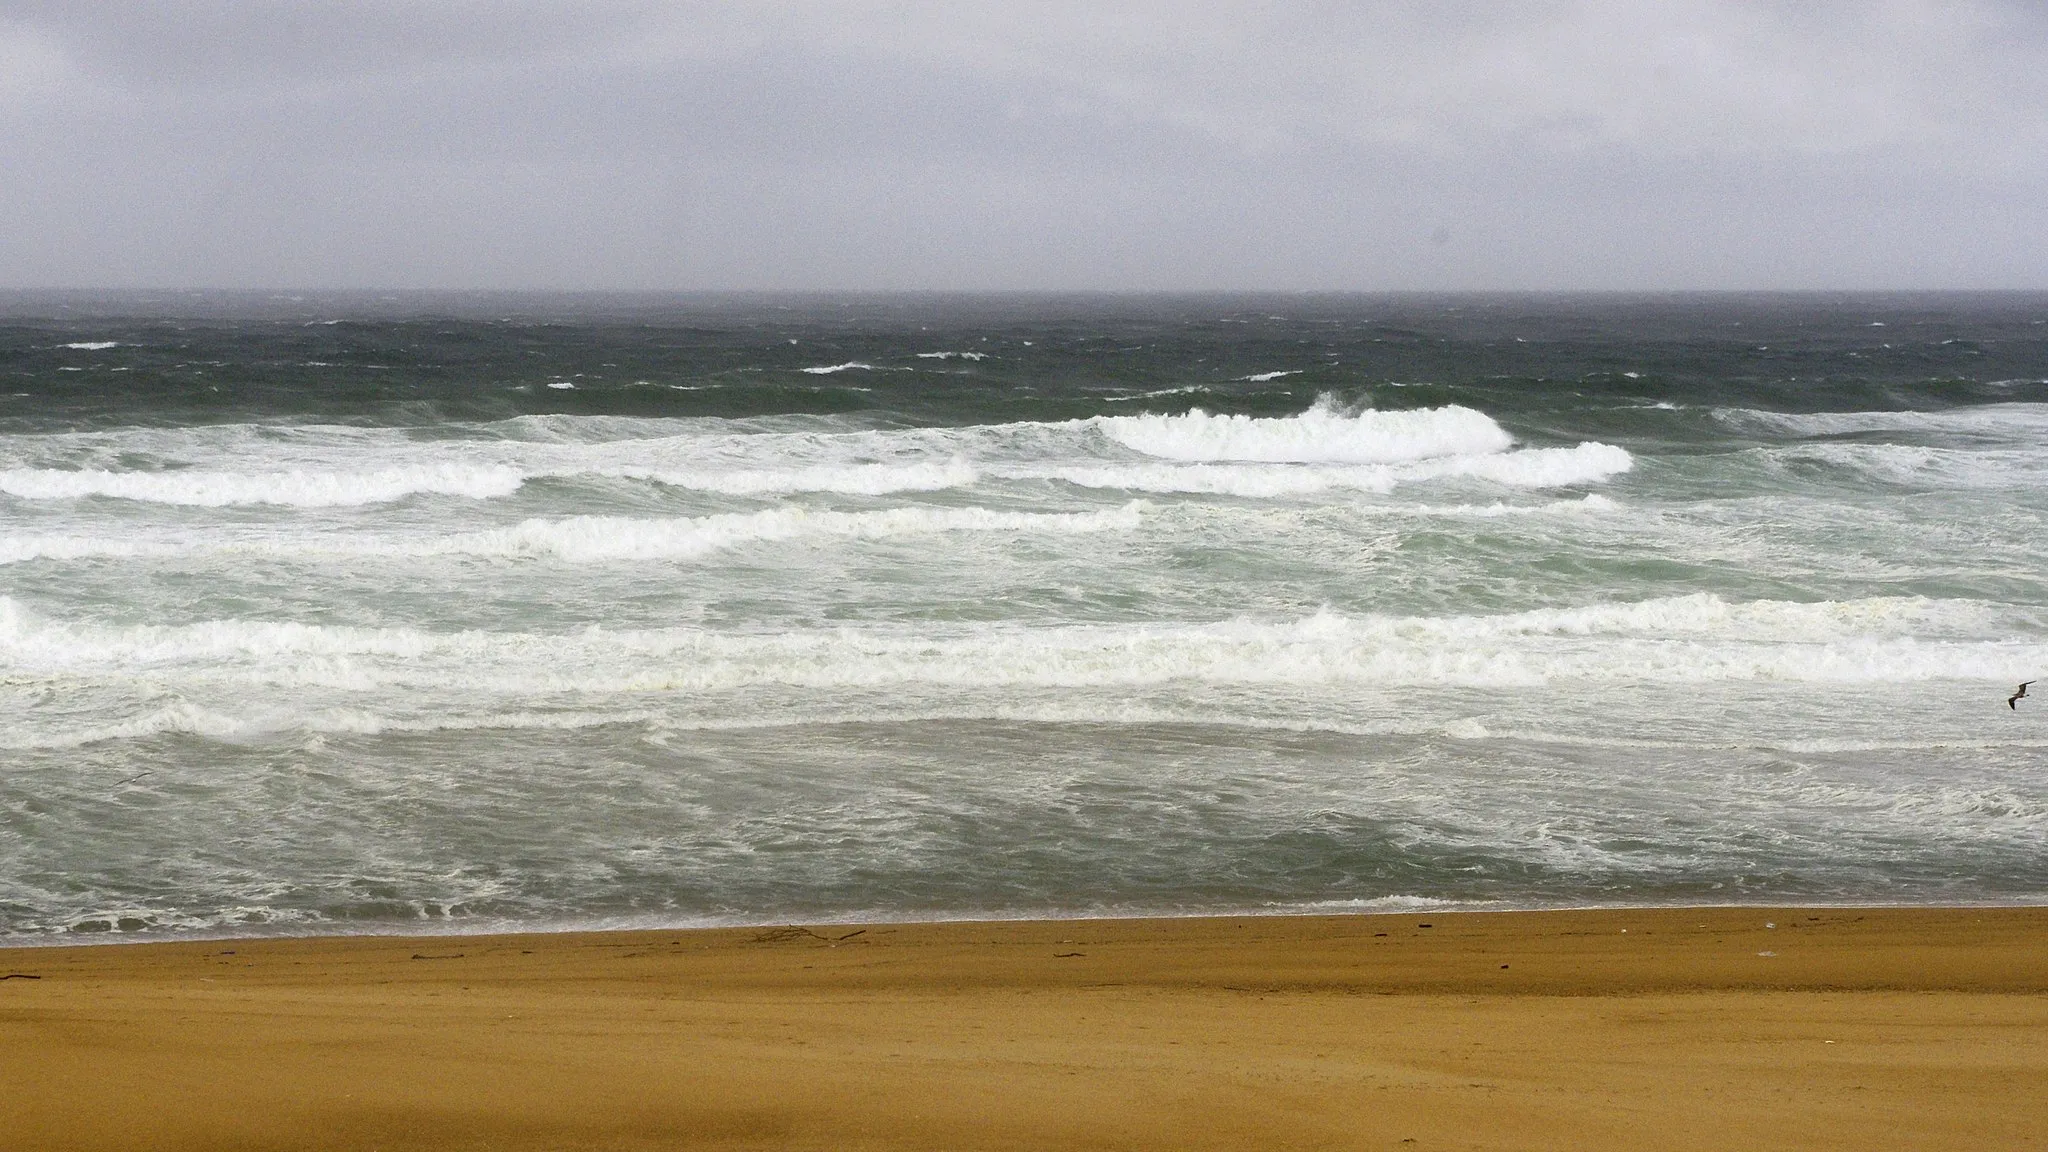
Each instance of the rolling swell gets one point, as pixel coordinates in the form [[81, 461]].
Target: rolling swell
[[1308, 451], [1682, 639]]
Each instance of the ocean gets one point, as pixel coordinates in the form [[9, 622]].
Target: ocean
[[368, 613]]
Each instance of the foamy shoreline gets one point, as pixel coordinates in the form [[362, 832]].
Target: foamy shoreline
[[1392, 906]]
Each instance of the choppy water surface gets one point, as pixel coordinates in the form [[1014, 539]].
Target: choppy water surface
[[340, 614]]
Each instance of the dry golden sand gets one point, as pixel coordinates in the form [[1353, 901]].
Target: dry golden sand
[[1856, 1029]]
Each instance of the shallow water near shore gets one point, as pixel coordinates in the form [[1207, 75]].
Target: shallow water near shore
[[359, 614]]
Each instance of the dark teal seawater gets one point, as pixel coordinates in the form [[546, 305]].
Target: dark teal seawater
[[1556, 363]]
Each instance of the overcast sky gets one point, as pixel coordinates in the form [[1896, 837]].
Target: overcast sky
[[1184, 145]]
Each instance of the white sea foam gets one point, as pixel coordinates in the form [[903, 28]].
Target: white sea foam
[[584, 538], [121, 920], [1530, 468], [298, 489], [952, 355], [1318, 450], [1157, 393], [181, 719], [17, 548], [186, 719], [1704, 613], [1591, 502], [1918, 466], [849, 366], [320, 490], [1320, 435], [1691, 639], [1249, 481], [1262, 377], [852, 479], [94, 345], [1992, 420], [589, 538]]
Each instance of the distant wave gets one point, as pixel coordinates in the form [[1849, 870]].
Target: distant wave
[[1155, 394], [1994, 420]]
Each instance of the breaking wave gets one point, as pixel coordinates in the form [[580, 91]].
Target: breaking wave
[[1686, 639], [1318, 450], [1530, 468], [1321, 435], [1913, 465], [591, 538], [2006, 420], [852, 479], [614, 537], [297, 489]]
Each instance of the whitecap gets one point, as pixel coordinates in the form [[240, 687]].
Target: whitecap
[[854, 479], [2010, 420], [1531, 468], [1320, 435], [296, 488], [586, 538], [594, 538], [1676, 640]]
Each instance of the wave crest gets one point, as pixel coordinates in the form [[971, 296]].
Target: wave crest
[[596, 538], [296, 489], [615, 537], [1321, 435], [1675, 639]]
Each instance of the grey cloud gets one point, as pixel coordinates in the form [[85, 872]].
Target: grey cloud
[[1196, 145], [239, 47]]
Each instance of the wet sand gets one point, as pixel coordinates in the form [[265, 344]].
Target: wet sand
[[1674, 1028]]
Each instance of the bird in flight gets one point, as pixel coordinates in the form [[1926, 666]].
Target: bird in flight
[[2013, 701]]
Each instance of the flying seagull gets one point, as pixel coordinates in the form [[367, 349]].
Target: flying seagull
[[2013, 701]]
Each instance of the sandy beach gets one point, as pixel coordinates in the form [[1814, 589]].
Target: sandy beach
[[1672, 1028]]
